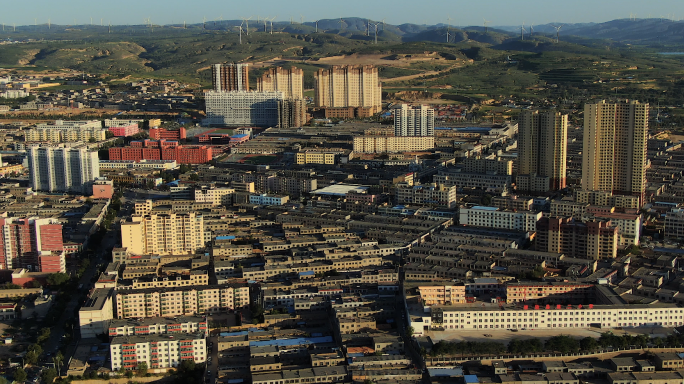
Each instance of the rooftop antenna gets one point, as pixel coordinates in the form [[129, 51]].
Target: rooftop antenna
[[558, 28], [341, 22], [486, 23]]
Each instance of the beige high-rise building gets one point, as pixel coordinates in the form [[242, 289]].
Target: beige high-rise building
[[230, 77], [163, 234], [288, 81], [614, 147], [349, 86], [542, 151]]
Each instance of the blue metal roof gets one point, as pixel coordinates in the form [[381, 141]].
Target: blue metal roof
[[225, 237], [470, 379], [291, 342], [485, 208], [239, 136]]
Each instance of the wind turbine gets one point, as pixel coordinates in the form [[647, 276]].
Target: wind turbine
[[204, 23], [49, 25], [522, 31], [368, 23], [316, 25], [265, 20], [271, 21], [448, 33], [341, 22], [531, 30], [486, 23], [558, 28], [376, 31], [246, 21], [383, 24], [110, 27], [301, 19], [243, 22]]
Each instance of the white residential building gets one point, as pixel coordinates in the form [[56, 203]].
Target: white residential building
[[96, 314], [492, 217], [157, 351], [242, 108], [57, 168], [428, 194], [216, 196], [265, 199], [414, 121]]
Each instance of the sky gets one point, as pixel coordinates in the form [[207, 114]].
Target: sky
[[462, 13]]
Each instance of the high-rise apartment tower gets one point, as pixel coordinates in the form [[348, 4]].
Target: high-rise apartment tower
[[230, 77], [58, 168], [542, 151], [614, 147], [414, 121], [288, 81], [349, 86]]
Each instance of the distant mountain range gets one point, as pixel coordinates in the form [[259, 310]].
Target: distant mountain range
[[626, 31]]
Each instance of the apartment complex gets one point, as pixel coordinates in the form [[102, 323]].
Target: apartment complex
[[614, 147], [674, 224], [441, 294], [591, 240], [255, 109], [496, 166], [389, 144], [161, 325], [493, 217], [24, 240], [158, 133], [180, 301], [57, 168], [542, 292], [542, 151], [215, 196], [350, 88], [67, 132], [163, 234], [433, 194], [266, 199], [230, 77], [414, 121], [157, 351], [162, 150], [124, 130], [288, 81], [315, 157]]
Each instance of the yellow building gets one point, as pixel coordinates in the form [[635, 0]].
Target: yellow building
[[614, 147], [442, 294], [315, 158], [348, 86], [288, 81], [382, 144], [163, 234]]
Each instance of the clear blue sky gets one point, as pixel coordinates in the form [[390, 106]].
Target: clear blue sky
[[500, 12]]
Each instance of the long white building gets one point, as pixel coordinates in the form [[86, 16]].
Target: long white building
[[492, 217], [57, 168], [414, 121], [241, 108]]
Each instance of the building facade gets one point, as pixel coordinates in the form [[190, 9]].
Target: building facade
[[157, 351], [23, 240], [158, 133], [492, 217], [163, 234], [182, 154], [591, 240], [242, 108], [348, 86], [62, 169], [429, 194], [614, 147], [414, 121], [230, 77], [542, 151], [180, 301], [389, 144], [288, 81]]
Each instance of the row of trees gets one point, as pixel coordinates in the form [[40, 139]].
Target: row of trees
[[558, 344]]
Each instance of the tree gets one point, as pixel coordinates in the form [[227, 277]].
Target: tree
[[589, 344], [57, 279], [194, 177], [59, 361], [34, 284], [129, 374], [3, 380], [31, 357], [49, 375], [20, 375], [44, 335], [141, 370], [410, 331]]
